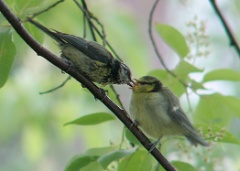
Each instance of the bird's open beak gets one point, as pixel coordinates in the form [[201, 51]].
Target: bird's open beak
[[134, 84], [131, 84]]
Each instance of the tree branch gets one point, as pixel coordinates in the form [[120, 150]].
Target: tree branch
[[233, 41], [121, 114]]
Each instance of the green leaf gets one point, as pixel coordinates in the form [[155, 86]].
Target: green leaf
[[184, 68], [100, 151], [106, 159], [112, 95], [141, 160], [196, 85], [173, 38], [87, 159], [182, 166], [7, 53], [168, 80], [93, 166], [217, 134], [35, 32], [217, 109], [131, 137], [79, 162], [92, 119], [222, 74], [22, 6]]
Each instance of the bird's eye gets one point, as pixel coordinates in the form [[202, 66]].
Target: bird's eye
[[143, 83]]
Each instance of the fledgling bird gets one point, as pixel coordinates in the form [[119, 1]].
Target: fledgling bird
[[158, 112], [90, 58]]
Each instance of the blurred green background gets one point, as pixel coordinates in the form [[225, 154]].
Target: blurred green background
[[32, 135]]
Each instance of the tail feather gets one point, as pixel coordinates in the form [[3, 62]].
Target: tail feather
[[195, 139], [47, 31]]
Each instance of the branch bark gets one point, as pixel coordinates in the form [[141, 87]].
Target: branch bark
[[233, 41], [121, 114]]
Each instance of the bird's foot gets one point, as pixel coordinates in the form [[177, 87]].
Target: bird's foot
[[70, 64], [153, 145], [104, 94], [135, 123]]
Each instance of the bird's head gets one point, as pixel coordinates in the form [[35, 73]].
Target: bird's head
[[147, 84], [125, 76]]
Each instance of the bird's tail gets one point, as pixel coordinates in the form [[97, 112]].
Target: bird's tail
[[46, 30], [195, 139]]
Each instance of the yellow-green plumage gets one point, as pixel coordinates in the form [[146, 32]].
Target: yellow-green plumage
[[89, 67], [158, 112]]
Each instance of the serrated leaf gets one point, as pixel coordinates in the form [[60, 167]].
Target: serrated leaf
[[92, 119], [7, 53], [138, 161], [173, 38], [168, 80], [106, 159], [183, 166], [217, 109], [222, 74]]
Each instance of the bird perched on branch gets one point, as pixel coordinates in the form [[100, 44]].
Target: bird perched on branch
[[91, 59], [158, 112]]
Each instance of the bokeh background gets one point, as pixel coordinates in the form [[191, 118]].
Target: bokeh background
[[32, 135]]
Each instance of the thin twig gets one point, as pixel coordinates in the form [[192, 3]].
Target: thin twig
[[151, 35], [101, 35], [121, 114], [188, 100], [51, 6], [84, 27], [155, 47], [233, 41], [55, 88], [91, 16], [87, 14], [117, 97]]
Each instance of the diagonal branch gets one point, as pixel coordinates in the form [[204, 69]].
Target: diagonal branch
[[233, 41], [121, 114]]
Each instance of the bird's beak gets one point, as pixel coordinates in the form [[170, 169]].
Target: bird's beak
[[135, 84], [131, 84]]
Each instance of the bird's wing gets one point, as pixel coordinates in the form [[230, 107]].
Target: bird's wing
[[92, 49], [47, 31], [175, 111], [179, 116]]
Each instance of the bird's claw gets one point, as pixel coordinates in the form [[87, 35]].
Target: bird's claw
[[153, 145], [135, 123], [104, 94]]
